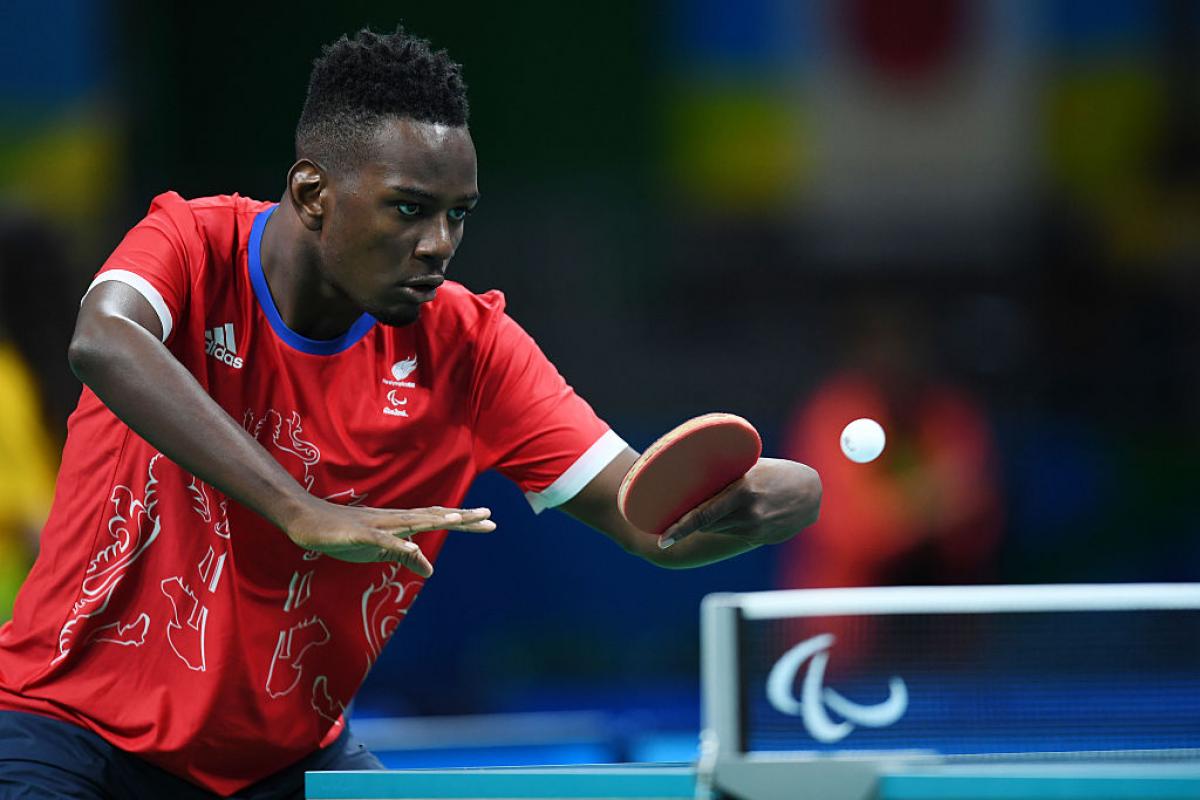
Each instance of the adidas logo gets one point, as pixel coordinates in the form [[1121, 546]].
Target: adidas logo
[[221, 345]]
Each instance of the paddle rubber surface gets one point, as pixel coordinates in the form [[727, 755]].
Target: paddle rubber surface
[[685, 467]]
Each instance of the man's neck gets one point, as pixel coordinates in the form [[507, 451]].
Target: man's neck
[[308, 304]]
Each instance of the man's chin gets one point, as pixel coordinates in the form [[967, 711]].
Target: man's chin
[[397, 317]]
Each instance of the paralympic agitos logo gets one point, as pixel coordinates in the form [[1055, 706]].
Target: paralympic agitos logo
[[817, 700]]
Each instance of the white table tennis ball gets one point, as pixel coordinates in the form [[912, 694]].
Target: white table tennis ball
[[863, 440]]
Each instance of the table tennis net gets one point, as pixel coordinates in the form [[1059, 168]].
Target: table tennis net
[[1095, 681]]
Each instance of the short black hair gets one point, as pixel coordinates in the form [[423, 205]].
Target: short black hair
[[359, 81]]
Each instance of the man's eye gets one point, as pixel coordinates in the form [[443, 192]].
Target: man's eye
[[408, 209], [458, 214]]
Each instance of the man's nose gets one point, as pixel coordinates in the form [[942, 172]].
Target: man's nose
[[436, 242]]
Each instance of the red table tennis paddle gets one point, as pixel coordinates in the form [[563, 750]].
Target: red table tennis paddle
[[685, 467]]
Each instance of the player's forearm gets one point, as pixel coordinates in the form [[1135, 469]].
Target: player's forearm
[[600, 513], [149, 390]]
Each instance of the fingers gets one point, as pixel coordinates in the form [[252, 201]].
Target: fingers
[[473, 514], [358, 535], [405, 553], [704, 517], [483, 526], [408, 522], [475, 520]]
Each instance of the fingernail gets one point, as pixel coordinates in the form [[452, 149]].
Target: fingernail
[[666, 542]]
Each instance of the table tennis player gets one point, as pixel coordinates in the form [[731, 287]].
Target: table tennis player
[[284, 405]]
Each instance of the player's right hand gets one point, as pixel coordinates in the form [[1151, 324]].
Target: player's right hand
[[358, 534]]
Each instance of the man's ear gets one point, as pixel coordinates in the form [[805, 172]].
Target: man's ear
[[307, 183]]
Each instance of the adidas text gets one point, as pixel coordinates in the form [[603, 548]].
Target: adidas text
[[219, 343]]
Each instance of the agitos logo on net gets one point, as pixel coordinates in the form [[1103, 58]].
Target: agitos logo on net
[[817, 700]]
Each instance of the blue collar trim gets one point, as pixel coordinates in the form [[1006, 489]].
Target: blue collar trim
[[317, 347]]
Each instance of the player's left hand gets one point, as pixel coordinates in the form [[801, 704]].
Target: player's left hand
[[773, 502]]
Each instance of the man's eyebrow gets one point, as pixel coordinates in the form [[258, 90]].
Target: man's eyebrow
[[413, 190]]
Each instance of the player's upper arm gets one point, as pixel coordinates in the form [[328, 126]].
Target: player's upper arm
[[112, 319], [116, 299]]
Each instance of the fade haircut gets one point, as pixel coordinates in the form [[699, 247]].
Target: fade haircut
[[358, 82]]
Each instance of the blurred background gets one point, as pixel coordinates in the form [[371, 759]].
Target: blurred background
[[973, 220]]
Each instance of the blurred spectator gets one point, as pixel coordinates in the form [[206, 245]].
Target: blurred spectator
[[36, 387], [928, 511]]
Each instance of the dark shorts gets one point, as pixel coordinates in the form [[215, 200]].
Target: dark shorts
[[43, 758]]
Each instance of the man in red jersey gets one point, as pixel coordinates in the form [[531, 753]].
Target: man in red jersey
[[284, 403]]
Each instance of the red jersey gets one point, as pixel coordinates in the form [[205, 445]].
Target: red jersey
[[180, 625]]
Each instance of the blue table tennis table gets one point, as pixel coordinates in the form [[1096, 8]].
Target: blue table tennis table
[[998, 781]]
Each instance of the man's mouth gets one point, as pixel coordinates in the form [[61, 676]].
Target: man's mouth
[[422, 289], [426, 281]]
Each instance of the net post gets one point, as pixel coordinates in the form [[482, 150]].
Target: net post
[[720, 733]]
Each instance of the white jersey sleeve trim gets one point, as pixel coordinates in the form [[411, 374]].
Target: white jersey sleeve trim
[[577, 476], [144, 288]]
